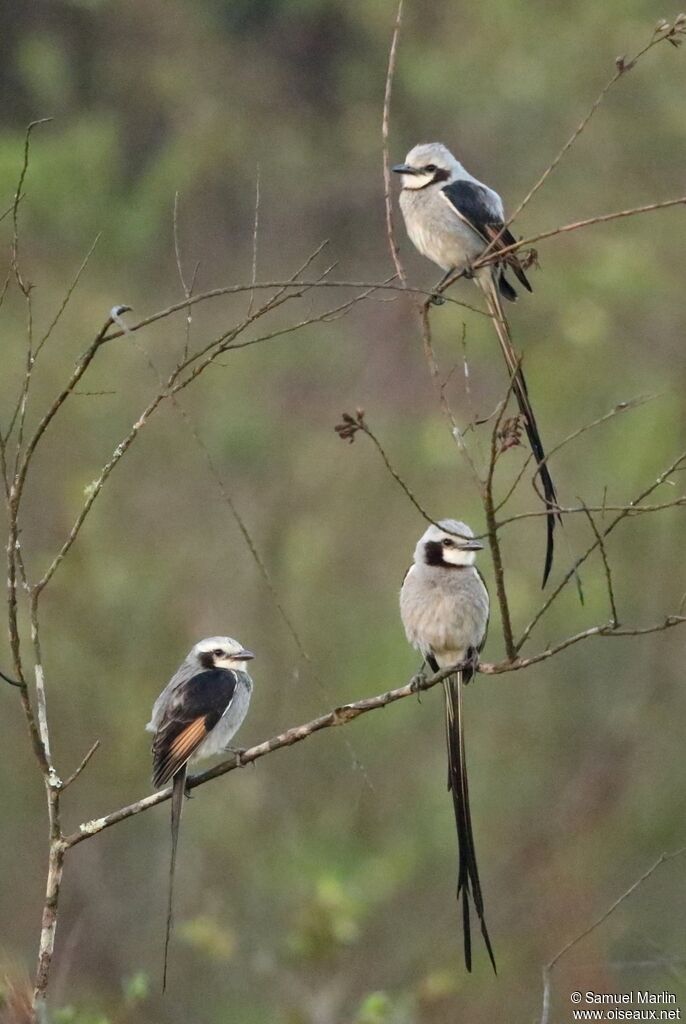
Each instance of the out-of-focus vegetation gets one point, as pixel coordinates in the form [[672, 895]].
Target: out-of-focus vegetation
[[319, 887]]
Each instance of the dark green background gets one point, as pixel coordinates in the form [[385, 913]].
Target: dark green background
[[327, 872]]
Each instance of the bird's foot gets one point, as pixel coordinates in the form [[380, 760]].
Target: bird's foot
[[238, 754], [187, 791], [471, 663], [436, 300], [416, 684]]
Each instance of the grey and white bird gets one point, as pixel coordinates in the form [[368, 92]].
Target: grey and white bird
[[197, 714], [444, 607], [452, 218]]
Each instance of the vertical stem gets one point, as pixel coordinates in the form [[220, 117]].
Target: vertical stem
[[48, 928], [13, 626], [498, 572]]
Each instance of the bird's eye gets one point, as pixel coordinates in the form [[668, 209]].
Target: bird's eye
[[430, 168], [218, 653], [448, 543]]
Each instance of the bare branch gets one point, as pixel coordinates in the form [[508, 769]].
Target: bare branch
[[678, 462], [255, 238], [455, 432], [491, 528], [625, 406], [347, 430], [493, 257], [547, 970], [14, 258], [385, 127], [607, 630], [238, 289], [342, 715], [67, 296], [608, 574], [622, 65], [12, 682], [78, 372], [75, 774]]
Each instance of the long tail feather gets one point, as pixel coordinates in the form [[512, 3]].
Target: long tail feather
[[179, 785], [489, 286], [468, 883]]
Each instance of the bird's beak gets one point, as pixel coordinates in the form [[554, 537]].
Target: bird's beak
[[471, 545], [404, 169], [244, 655]]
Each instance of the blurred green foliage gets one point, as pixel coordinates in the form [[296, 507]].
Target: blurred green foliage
[[319, 887]]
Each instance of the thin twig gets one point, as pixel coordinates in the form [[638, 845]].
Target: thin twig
[[582, 558], [347, 431], [342, 715], [606, 564], [187, 288], [12, 682], [631, 509], [491, 527], [68, 295], [75, 774], [238, 289], [494, 257], [385, 128], [625, 406], [455, 432], [14, 257], [548, 968], [255, 239], [622, 65]]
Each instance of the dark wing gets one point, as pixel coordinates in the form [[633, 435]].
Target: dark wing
[[194, 711], [473, 204]]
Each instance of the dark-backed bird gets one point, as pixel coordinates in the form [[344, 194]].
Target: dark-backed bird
[[452, 218], [197, 714], [444, 608]]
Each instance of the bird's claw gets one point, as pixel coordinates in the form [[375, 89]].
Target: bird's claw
[[471, 662], [187, 792], [417, 683], [238, 754]]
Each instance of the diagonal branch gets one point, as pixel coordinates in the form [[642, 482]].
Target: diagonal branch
[[547, 970], [677, 464], [343, 715]]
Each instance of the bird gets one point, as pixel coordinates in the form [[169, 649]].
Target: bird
[[444, 607], [452, 218], [196, 715]]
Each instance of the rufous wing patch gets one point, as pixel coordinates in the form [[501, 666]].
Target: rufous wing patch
[[180, 749]]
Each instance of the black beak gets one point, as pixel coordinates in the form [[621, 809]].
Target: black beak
[[404, 169], [244, 655], [471, 545]]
